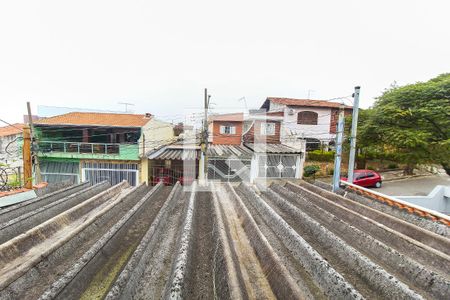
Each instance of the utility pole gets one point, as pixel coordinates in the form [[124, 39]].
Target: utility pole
[[338, 156], [351, 161], [37, 169], [203, 164], [26, 153]]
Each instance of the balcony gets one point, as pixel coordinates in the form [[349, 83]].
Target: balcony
[[79, 150]]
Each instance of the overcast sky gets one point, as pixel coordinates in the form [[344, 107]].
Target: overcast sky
[[160, 55]]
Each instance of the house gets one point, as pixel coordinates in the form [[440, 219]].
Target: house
[[312, 120], [250, 147], [226, 129], [10, 145], [88, 146]]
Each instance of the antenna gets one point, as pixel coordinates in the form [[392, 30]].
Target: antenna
[[126, 105], [245, 102]]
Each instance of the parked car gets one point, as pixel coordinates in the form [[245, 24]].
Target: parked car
[[366, 178]]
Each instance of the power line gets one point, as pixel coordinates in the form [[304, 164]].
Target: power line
[[11, 125]]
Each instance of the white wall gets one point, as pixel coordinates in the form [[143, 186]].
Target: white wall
[[320, 131]]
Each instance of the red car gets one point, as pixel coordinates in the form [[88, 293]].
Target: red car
[[366, 178]]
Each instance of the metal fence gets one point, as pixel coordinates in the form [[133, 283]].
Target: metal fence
[[76, 147], [10, 178]]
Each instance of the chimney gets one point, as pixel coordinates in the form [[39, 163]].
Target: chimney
[[148, 115]]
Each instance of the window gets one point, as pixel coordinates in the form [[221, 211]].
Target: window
[[267, 128], [307, 118], [227, 129]]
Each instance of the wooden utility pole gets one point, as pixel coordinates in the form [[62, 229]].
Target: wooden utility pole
[[26, 152], [37, 169], [338, 156]]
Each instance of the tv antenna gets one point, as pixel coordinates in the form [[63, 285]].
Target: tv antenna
[[245, 102], [126, 105]]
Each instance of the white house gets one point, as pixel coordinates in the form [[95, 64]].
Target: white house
[[313, 120]]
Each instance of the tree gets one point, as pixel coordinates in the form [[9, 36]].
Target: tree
[[412, 121]]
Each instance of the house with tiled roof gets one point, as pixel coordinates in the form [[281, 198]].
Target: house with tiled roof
[[312, 120], [10, 141], [248, 147], [91, 146]]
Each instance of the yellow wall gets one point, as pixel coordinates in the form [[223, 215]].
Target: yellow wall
[[157, 133]]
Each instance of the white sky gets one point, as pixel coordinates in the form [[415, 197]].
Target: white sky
[[160, 55]]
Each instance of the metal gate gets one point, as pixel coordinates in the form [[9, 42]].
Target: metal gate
[[230, 169], [277, 166], [113, 172]]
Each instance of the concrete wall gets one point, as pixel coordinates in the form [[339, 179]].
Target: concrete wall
[[438, 199], [15, 148]]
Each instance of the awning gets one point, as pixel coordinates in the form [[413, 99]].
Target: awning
[[174, 154], [273, 148], [229, 151]]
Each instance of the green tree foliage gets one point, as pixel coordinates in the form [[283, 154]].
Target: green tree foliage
[[412, 121]]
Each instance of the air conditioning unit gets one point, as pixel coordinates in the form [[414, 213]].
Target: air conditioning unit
[[290, 112]]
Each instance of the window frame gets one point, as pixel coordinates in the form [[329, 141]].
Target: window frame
[[231, 129], [309, 119], [265, 126]]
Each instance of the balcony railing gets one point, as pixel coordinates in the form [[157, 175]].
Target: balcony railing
[[79, 148]]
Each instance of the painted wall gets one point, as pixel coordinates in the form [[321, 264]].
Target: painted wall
[[157, 133], [320, 131]]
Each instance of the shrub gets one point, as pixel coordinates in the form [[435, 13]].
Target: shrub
[[330, 171], [317, 155], [371, 168], [310, 170], [392, 166]]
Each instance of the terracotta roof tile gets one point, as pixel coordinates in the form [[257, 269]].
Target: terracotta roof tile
[[305, 102], [96, 119], [11, 130], [234, 117]]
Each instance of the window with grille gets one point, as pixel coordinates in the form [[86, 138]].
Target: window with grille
[[307, 118], [227, 129], [267, 128]]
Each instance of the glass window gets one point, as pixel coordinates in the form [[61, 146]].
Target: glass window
[[227, 129]]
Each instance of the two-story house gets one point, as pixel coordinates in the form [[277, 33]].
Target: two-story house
[[86, 146], [312, 120], [250, 147]]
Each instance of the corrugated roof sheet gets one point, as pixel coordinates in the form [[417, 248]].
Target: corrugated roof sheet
[[306, 102], [229, 151], [175, 153], [272, 148], [96, 119], [11, 130]]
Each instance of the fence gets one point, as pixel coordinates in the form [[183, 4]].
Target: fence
[[80, 148], [10, 178]]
